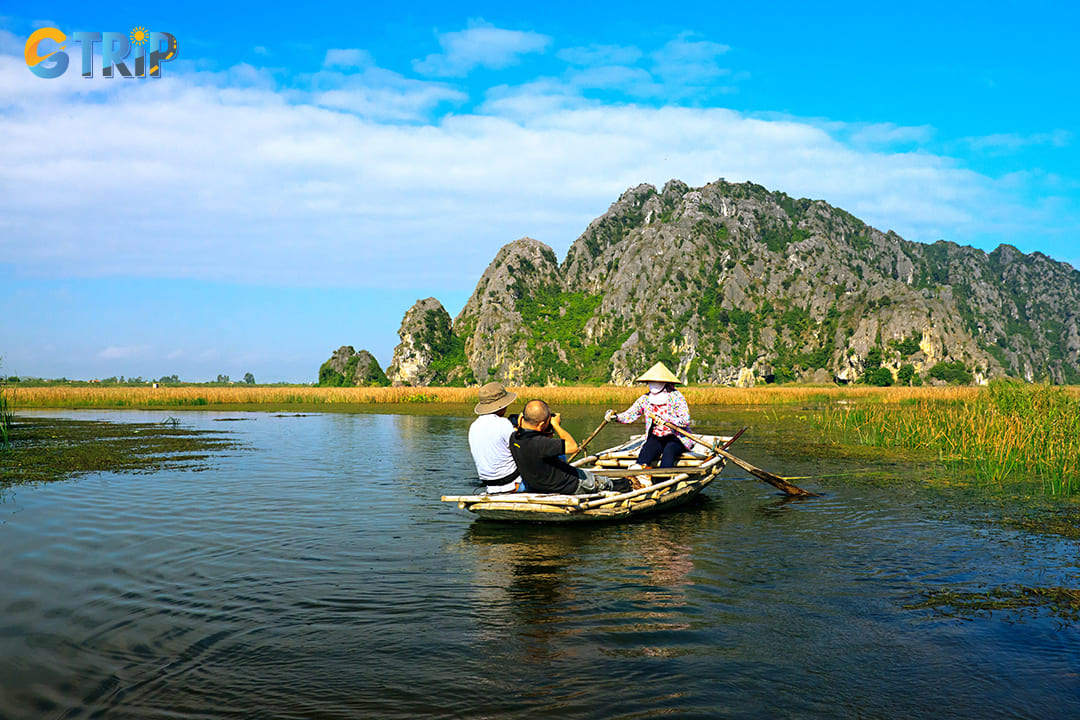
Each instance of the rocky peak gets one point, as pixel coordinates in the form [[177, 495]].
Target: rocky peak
[[606, 231], [521, 267], [491, 323], [429, 352], [348, 368]]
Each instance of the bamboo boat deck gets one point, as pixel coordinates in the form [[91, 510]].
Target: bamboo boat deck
[[672, 487]]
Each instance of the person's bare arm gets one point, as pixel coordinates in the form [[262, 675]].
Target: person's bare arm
[[568, 441]]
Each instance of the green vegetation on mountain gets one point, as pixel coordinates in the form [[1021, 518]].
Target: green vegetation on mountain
[[349, 368]]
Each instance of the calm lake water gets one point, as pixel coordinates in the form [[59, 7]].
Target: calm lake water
[[316, 574]]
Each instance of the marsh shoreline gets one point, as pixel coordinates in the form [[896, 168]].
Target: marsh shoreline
[[46, 449]]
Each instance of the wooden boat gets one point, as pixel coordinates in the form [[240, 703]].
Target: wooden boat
[[671, 487]]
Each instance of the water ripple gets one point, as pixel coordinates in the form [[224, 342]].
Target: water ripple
[[318, 576]]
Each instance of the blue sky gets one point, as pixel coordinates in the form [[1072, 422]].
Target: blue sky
[[299, 177]]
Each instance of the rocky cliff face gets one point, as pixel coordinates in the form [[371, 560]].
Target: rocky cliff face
[[349, 368], [429, 353], [733, 284], [495, 331]]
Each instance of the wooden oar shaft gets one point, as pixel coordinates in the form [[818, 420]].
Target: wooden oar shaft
[[733, 438], [764, 475], [588, 440]]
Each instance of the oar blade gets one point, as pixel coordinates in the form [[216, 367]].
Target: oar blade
[[764, 475]]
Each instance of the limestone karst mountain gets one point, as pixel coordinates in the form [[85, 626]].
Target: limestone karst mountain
[[733, 284], [348, 368]]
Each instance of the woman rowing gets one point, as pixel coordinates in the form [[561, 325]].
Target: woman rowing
[[661, 402]]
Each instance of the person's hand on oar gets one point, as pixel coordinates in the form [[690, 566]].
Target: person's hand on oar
[[595, 432]]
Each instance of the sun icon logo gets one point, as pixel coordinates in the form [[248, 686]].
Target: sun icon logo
[[139, 36]]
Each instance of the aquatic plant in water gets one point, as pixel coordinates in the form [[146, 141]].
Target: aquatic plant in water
[[1007, 435], [7, 413], [5, 418], [59, 448]]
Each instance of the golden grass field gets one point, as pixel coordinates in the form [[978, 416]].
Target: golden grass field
[[82, 396]]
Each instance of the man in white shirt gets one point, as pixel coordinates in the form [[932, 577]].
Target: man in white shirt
[[489, 441]]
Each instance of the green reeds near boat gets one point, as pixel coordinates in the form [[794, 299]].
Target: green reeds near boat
[[7, 412], [1009, 434], [5, 419]]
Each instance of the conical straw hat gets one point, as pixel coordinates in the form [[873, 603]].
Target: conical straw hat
[[659, 373]]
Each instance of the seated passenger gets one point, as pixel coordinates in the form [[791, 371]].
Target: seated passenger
[[539, 456], [489, 441]]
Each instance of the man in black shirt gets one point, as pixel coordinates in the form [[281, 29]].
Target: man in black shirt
[[538, 455]]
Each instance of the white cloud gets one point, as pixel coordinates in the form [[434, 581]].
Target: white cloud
[[11, 44], [888, 134], [346, 58], [180, 177], [531, 100], [598, 55], [690, 62], [352, 82], [386, 103], [481, 45], [631, 81], [1004, 143], [114, 352]]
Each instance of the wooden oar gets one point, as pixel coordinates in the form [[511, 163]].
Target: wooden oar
[[588, 440], [733, 438], [775, 480]]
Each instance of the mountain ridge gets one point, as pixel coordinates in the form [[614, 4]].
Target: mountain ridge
[[731, 283]]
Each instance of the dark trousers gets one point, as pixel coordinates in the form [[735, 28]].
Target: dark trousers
[[668, 448]]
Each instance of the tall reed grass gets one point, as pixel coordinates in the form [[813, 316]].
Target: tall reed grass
[[202, 396], [1007, 435], [7, 412], [7, 405], [83, 396]]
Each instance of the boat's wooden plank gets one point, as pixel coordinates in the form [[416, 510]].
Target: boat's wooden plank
[[645, 472], [658, 487], [524, 513], [518, 507], [522, 498], [660, 472], [628, 495]]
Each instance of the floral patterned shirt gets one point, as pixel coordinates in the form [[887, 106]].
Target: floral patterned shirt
[[670, 406]]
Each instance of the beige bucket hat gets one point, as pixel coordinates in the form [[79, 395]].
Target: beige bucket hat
[[659, 373], [493, 397]]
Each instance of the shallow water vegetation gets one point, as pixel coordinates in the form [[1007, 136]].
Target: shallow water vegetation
[[7, 414], [1061, 601], [1062, 521], [1008, 436], [45, 449]]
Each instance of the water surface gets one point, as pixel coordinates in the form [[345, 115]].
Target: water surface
[[315, 574]]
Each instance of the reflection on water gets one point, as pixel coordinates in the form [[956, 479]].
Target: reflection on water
[[316, 575]]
